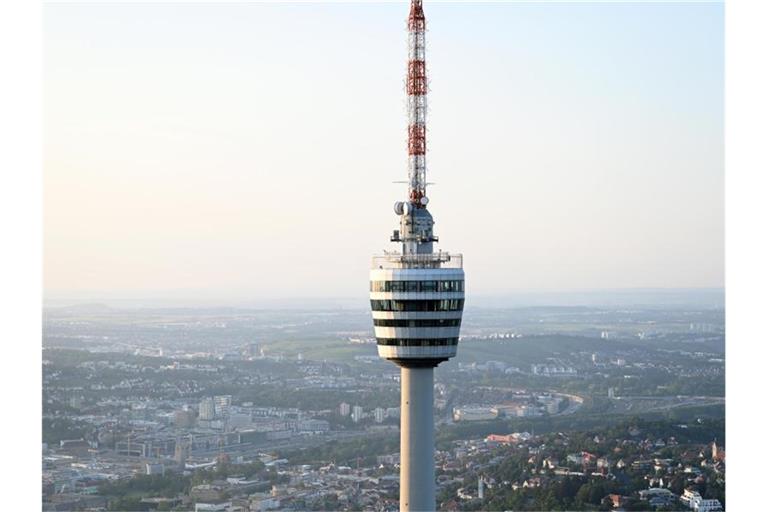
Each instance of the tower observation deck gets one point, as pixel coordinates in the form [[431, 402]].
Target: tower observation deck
[[417, 294]]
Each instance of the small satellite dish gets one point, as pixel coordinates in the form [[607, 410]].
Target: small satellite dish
[[424, 200], [399, 210]]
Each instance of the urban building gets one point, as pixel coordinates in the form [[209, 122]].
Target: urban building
[[240, 420], [222, 403], [155, 469], [207, 409], [474, 413], [693, 500], [357, 413]]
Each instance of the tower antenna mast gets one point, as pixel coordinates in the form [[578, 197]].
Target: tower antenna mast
[[416, 88]]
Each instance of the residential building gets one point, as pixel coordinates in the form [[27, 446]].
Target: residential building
[[207, 409], [222, 403]]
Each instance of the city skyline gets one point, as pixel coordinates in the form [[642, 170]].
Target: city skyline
[[185, 155]]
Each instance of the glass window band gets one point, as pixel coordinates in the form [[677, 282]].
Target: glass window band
[[417, 286], [418, 342], [428, 322], [418, 305]]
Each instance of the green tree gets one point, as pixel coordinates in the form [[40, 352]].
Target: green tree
[[128, 504]]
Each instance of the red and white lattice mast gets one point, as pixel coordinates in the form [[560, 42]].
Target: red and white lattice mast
[[416, 87]]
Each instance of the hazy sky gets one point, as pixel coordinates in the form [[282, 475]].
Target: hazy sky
[[248, 150]]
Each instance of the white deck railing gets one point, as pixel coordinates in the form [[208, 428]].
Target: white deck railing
[[434, 260]]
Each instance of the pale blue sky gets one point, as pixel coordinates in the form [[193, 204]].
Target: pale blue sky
[[247, 150]]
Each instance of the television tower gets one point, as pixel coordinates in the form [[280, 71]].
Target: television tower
[[417, 295]]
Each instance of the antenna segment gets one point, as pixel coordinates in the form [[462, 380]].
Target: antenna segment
[[416, 88]]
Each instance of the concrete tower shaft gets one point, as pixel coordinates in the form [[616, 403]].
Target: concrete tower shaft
[[417, 295], [417, 439]]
